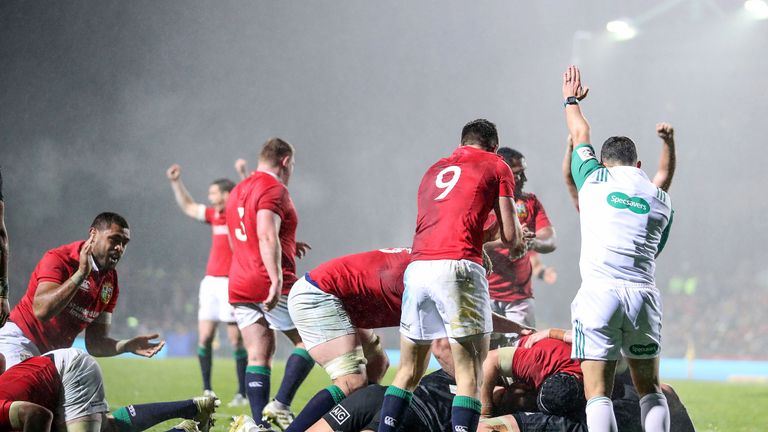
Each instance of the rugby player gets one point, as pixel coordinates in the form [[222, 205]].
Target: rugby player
[[214, 304], [262, 221], [446, 292], [64, 390], [625, 221], [74, 288], [5, 308], [510, 285]]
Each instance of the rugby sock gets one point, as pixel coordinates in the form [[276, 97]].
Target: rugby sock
[[134, 418], [316, 408], [241, 362], [297, 367], [205, 356], [396, 401], [600, 415], [465, 413], [257, 381], [654, 413]]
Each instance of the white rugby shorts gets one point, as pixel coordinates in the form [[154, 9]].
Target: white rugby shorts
[[614, 317], [445, 298], [82, 382], [278, 318], [319, 317], [522, 311], [214, 300], [15, 346]]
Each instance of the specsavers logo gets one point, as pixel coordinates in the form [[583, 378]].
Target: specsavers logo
[[624, 201]]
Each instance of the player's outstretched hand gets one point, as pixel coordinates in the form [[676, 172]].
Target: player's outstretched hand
[[302, 249], [5, 311], [572, 84], [173, 172], [143, 345], [665, 131]]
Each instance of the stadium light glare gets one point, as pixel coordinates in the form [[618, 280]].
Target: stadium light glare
[[621, 30], [758, 9]]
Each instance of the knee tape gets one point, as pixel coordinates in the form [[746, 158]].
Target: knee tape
[[346, 364]]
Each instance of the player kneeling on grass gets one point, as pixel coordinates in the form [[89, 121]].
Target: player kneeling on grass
[[63, 390]]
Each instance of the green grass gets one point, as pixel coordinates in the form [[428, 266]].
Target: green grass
[[726, 407]]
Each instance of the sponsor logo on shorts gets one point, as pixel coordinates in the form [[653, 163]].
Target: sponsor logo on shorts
[[389, 421], [623, 201], [639, 349], [106, 292], [340, 414], [586, 153]]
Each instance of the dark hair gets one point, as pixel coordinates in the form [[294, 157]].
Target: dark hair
[[561, 394], [619, 149], [224, 184], [274, 150], [106, 219], [480, 132], [509, 154]]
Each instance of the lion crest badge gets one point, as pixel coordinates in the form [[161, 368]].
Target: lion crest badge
[[106, 292]]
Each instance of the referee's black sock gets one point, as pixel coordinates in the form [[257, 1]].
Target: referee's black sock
[[316, 408]]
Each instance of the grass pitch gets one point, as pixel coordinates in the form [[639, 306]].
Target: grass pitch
[[714, 406]]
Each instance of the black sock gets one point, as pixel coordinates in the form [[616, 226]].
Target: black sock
[[205, 356], [241, 362], [134, 418], [297, 367], [465, 413], [396, 401], [257, 379], [316, 408]]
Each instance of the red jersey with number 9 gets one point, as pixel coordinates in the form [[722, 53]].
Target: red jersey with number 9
[[455, 196], [248, 278]]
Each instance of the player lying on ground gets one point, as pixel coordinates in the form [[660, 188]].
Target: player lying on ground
[[214, 307], [335, 306], [262, 221], [74, 288], [63, 390]]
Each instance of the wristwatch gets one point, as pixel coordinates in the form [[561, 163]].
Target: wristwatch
[[571, 100]]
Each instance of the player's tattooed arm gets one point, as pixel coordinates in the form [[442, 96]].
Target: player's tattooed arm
[[241, 167], [267, 231], [573, 192], [99, 344], [185, 201], [572, 88], [667, 160], [51, 298]]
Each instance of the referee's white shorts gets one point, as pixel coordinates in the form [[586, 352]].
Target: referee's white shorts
[[214, 300], [611, 317], [319, 316], [445, 298]]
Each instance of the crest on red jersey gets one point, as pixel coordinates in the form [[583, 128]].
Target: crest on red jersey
[[522, 210], [106, 292]]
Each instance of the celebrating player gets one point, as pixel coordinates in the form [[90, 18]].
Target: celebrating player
[[510, 284], [625, 221], [262, 224], [74, 288], [214, 304], [446, 292], [5, 308], [66, 386]]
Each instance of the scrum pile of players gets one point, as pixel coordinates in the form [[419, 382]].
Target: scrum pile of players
[[461, 291]]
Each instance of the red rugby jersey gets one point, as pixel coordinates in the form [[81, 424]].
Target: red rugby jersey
[[455, 196], [511, 279], [34, 380], [369, 284], [220, 257], [98, 293], [248, 278], [531, 366]]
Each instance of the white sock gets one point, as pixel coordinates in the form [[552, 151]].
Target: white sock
[[654, 413], [600, 416]]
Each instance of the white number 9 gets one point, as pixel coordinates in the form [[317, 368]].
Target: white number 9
[[448, 186]]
